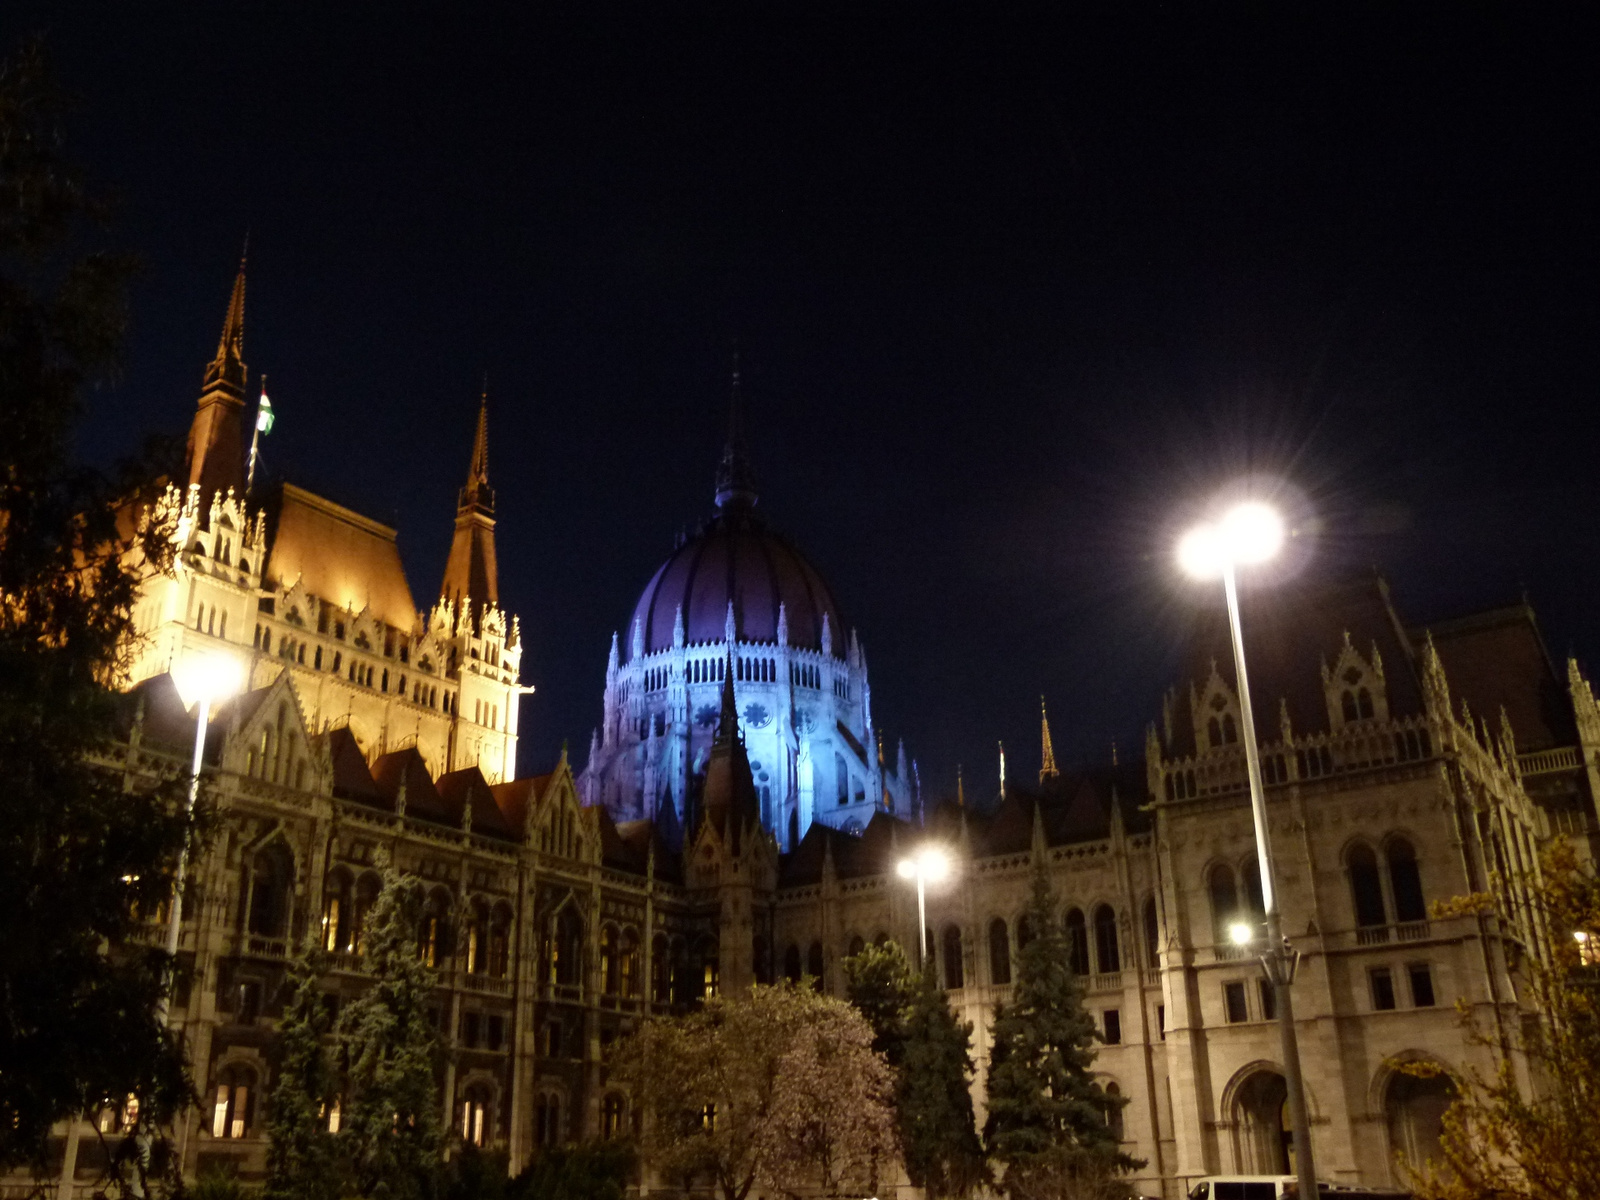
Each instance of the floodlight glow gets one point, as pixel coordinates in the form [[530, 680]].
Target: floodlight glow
[[907, 868], [935, 865], [207, 678], [1253, 532], [1241, 933], [1248, 533]]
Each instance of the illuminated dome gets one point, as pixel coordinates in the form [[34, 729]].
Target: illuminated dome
[[737, 604], [735, 558]]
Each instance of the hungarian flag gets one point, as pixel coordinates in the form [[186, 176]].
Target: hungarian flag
[[264, 411]]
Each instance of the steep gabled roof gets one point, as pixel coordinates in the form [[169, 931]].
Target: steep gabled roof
[[352, 780], [423, 801], [516, 797], [457, 789], [1290, 631], [166, 723], [1497, 658]]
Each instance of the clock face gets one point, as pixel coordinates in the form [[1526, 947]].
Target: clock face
[[756, 716], [705, 715]]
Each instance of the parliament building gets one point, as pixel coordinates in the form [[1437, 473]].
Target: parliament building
[[740, 814]]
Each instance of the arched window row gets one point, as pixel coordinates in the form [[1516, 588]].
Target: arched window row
[[671, 979], [345, 904], [561, 948], [620, 951], [1222, 731], [805, 675], [1385, 885]]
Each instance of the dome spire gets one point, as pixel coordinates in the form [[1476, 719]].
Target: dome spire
[[1047, 768], [472, 571], [736, 478]]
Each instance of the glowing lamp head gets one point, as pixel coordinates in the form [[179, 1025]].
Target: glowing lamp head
[[1241, 934], [208, 678], [930, 864], [1247, 533]]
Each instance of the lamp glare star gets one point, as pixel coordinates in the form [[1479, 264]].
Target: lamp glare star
[[1252, 532]]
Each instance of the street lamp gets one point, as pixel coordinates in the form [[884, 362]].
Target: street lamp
[[202, 680], [928, 865], [1249, 533]]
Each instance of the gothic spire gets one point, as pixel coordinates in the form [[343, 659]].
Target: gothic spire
[[728, 722], [216, 439], [477, 494], [472, 571], [736, 478], [1047, 769], [227, 369]]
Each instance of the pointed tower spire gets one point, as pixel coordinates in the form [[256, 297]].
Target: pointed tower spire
[[1047, 768], [961, 789], [736, 478], [728, 720], [216, 436], [472, 572]]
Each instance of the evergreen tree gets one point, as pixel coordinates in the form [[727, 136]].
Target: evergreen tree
[[302, 1155], [933, 1097], [83, 860], [915, 1029], [390, 1124], [1049, 1120]]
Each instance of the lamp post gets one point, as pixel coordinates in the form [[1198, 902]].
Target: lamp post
[[928, 865], [1252, 533], [205, 680]]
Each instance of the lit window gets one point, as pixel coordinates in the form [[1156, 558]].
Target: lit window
[[230, 1117]]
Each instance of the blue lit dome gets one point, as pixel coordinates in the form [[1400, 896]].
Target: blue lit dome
[[735, 557]]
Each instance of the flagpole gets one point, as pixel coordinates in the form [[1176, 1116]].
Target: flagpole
[[255, 438]]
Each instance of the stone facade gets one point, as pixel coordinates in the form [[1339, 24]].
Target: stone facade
[[563, 908]]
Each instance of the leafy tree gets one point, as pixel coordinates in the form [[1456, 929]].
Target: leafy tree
[[303, 1161], [591, 1171], [930, 1052], [1048, 1117], [1499, 1140], [831, 1124], [770, 1087], [474, 1174], [389, 1130], [79, 855]]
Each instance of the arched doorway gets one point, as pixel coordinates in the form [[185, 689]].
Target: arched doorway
[[1264, 1143], [1413, 1110]]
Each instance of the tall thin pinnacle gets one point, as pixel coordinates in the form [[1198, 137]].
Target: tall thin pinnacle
[[1047, 768]]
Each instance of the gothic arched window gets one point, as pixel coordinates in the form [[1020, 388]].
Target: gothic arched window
[[1366, 891], [791, 963], [954, 968], [1152, 934], [816, 966], [271, 880], [1077, 942], [336, 913], [999, 952], [1107, 953], [232, 1110], [1405, 881], [1224, 901]]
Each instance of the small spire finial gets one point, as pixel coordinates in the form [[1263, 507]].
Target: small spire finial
[[1047, 766], [736, 478]]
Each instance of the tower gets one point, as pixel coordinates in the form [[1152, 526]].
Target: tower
[[216, 442]]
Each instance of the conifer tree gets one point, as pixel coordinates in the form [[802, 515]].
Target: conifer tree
[[389, 1129], [1048, 1117], [915, 1029], [303, 1160]]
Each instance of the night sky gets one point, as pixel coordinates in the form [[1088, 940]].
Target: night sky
[[1013, 296]]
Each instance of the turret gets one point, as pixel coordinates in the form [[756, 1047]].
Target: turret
[[1047, 765]]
